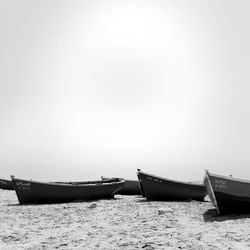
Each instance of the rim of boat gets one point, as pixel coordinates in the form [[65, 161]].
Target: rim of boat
[[163, 178], [107, 178], [230, 178], [67, 184]]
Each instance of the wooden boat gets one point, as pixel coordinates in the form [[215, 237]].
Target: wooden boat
[[158, 188], [6, 184], [228, 194], [33, 192], [131, 187]]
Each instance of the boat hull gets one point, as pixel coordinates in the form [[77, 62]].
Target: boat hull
[[228, 194], [131, 187], [31, 192], [6, 184], [158, 188]]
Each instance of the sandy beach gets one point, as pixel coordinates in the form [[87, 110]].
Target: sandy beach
[[126, 222]]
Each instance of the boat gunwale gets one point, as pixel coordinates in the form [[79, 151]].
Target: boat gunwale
[[98, 184], [173, 181], [107, 178], [229, 178]]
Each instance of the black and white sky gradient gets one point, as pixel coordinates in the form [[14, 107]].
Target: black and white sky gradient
[[91, 88]]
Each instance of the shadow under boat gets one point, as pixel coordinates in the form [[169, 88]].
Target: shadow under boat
[[212, 215]]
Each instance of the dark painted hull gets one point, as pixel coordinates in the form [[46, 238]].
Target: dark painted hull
[[6, 184], [131, 187], [228, 195], [158, 188], [31, 192]]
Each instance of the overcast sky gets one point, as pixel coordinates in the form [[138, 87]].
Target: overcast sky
[[91, 88]]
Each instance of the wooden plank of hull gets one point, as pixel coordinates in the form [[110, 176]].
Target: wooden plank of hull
[[6, 184], [228, 194], [30, 192], [158, 188]]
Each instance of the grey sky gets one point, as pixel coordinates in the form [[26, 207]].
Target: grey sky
[[91, 88]]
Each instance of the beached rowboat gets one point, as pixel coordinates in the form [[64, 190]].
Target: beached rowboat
[[131, 187], [158, 188], [31, 192], [6, 184], [228, 194]]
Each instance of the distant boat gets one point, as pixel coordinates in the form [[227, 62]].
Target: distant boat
[[228, 194], [33, 192], [158, 188], [131, 187], [6, 184]]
